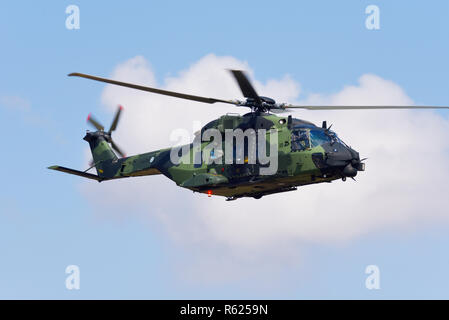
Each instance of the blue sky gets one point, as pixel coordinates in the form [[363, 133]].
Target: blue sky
[[47, 223]]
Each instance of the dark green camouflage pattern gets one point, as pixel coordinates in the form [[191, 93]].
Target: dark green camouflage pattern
[[314, 164]]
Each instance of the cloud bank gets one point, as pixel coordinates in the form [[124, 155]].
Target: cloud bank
[[405, 184]]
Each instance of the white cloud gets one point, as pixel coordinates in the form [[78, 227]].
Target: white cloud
[[15, 103], [404, 186]]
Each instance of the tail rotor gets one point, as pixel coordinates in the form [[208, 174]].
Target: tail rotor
[[108, 135]]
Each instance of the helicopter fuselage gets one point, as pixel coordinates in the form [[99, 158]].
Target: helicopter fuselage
[[305, 154]]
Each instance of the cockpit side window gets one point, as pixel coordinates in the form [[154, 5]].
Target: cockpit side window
[[300, 140]]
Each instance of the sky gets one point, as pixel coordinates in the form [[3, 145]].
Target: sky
[[146, 238]]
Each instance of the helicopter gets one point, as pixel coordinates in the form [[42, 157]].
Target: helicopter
[[305, 153]]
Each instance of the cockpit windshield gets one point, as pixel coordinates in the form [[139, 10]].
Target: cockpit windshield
[[303, 138], [335, 138], [319, 137]]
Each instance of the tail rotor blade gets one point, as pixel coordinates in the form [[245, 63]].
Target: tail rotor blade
[[94, 122], [116, 118], [107, 135]]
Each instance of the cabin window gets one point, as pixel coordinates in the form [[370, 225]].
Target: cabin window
[[300, 140]]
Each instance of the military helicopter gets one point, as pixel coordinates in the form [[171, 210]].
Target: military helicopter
[[306, 154]]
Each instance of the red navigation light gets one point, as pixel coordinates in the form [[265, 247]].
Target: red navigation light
[[209, 193]]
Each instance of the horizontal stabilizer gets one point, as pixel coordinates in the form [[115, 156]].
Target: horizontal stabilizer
[[76, 172]]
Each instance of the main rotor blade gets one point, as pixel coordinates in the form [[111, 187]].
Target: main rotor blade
[[116, 118], [361, 107], [246, 87], [94, 122], [278, 111], [116, 148], [154, 90]]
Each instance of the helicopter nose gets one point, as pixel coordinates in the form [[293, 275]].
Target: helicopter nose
[[354, 164], [339, 155], [346, 158], [349, 171]]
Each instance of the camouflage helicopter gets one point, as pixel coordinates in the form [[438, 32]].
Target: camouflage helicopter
[[306, 154]]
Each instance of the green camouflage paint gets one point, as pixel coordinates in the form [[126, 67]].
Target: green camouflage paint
[[295, 167]]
